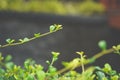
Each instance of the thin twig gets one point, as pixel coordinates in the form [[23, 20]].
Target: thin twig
[[30, 39]]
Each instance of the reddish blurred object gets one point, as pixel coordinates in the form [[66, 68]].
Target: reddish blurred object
[[113, 11], [105, 3]]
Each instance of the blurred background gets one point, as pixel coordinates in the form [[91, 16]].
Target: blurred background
[[85, 23]]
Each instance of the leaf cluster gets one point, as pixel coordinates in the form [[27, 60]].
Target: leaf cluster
[[33, 71], [86, 7]]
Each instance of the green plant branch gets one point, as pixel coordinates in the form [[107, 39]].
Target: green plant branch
[[52, 62], [88, 61], [18, 43], [82, 64], [57, 28], [98, 55]]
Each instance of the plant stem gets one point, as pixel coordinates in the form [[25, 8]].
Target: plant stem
[[98, 55], [50, 65], [31, 39], [82, 64]]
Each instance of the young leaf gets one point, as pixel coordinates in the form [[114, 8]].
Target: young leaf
[[9, 65], [107, 68], [24, 40], [41, 75], [58, 27], [30, 77], [55, 54], [48, 62], [52, 70], [100, 75], [37, 35], [52, 28], [8, 58], [117, 49], [116, 77], [102, 44], [9, 41]]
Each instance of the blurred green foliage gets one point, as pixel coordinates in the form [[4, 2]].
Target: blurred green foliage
[[90, 7], [86, 7], [33, 71]]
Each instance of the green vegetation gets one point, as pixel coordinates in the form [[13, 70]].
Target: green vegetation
[[86, 7], [32, 71], [13, 42]]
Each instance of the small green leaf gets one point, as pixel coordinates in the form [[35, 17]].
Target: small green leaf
[[98, 68], [28, 62], [55, 27], [107, 68], [39, 67], [9, 65], [20, 40], [30, 77], [52, 28], [117, 49], [104, 78], [37, 35], [80, 53], [55, 54], [52, 69], [58, 27], [9, 41], [8, 58], [112, 72], [116, 77], [24, 40], [100, 75], [48, 62], [41, 75], [102, 44]]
